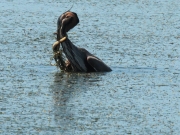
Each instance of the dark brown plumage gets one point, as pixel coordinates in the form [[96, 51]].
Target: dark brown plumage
[[79, 59]]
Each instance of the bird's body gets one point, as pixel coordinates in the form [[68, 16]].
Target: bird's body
[[79, 59]]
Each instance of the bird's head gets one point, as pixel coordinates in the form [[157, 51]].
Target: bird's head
[[67, 21]]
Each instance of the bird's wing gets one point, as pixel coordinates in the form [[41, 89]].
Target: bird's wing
[[97, 64]]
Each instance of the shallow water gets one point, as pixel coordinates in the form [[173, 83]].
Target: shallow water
[[139, 39]]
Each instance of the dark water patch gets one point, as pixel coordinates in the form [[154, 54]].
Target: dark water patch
[[133, 69]]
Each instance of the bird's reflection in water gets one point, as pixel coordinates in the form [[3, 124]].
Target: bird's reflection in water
[[67, 89]]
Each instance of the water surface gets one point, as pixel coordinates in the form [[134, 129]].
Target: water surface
[[138, 39]]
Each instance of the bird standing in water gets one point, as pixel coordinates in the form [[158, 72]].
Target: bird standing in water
[[78, 59]]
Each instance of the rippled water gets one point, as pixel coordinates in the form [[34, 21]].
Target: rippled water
[[139, 39]]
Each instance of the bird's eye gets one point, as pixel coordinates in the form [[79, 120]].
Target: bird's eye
[[67, 16]]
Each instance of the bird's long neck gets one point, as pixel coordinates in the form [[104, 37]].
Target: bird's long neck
[[61, 33], [73, 54]]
